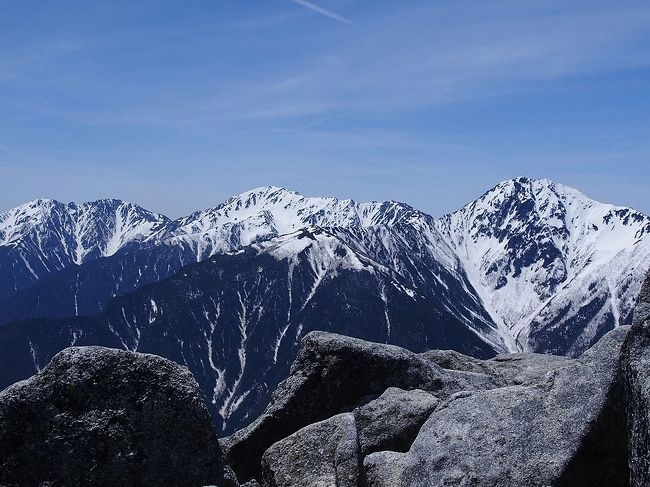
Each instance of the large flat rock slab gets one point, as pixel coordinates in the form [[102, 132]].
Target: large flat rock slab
[[558, 422]]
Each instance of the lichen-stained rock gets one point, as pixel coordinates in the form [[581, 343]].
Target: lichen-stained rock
[[392, 421], [334, 374], [637, 384], [99, 417], [566, 427], [323, 454]]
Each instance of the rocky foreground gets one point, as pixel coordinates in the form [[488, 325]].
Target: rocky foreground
[[351, 414]]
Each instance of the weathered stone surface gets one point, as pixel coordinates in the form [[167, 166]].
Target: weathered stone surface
[[562, 426], [505, 369], [452, 360], [334, 374], [525, 368], [323, 454], [392, 421], [229, 478], [98, 417], [637, 386]]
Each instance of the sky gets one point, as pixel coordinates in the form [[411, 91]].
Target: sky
[[178, 105]]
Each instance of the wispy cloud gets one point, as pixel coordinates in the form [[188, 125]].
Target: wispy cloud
[[323, 11], [491, 88]]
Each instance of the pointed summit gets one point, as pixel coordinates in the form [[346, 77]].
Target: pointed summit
[[530, 245]]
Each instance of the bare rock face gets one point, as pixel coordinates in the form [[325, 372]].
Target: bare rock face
[[452, 360], [334, 374], [322, 454], [98, 417], [562, 425], [392, 421], [440, 418], [637, 385]]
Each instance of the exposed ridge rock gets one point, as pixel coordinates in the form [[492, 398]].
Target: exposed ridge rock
[[453, 360], [322, 454], [441, 418], [522, 434], [96, 416], [334, 374], [637, 386], [392, 421]]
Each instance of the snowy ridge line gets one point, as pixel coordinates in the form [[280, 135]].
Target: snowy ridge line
[[524, 252]]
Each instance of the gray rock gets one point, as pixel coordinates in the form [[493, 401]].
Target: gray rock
[[229, 478], [392, 421], [642, 309], [563, 426], [524, 368], [505, 368], [637, 386], [323, 454], [334, 374], [96, 417], [452, 360]]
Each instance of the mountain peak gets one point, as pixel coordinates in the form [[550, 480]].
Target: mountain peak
[[73, 232], [536, 187], [265, 192], [527, 242], [268, 189], [521, 247]]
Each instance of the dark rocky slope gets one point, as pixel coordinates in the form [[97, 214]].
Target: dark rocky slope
[[236, 320], [637, 384]]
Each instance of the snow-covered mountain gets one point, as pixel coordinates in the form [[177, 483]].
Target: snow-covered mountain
[[269, 211], [394, 234], [531, 265], [229, 291], [43, 237], [554, 267]]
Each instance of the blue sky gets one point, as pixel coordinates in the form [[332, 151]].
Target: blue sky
[[177, 105]]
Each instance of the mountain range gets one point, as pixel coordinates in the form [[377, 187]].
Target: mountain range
[[531, 265]]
